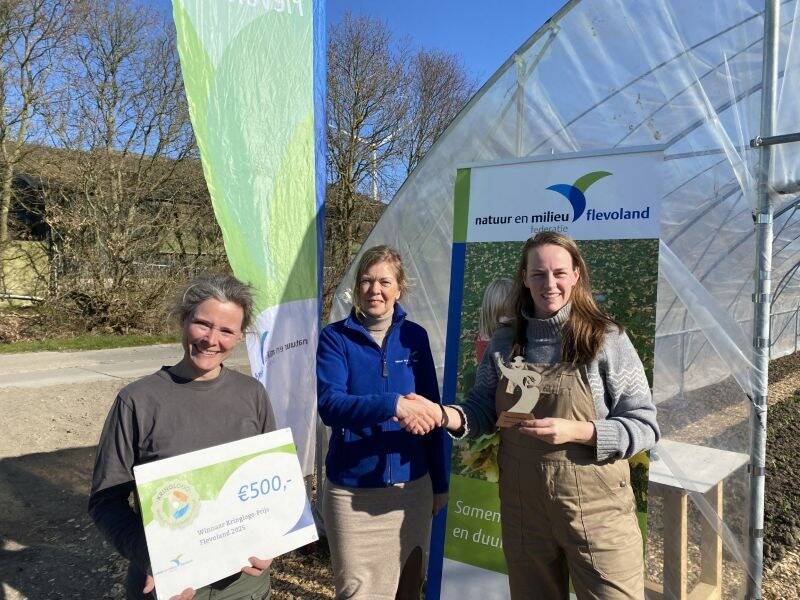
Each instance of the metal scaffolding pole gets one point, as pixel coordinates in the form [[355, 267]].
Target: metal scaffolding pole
[[762, 300]]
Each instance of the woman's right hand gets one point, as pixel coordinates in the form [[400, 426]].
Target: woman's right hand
[[418, 415], [150, 585]]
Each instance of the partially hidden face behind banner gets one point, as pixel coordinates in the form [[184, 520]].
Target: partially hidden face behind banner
[[609, 204]]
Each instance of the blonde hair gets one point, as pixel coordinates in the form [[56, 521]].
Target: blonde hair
[[496, 306], [583, 333], [373, 256]]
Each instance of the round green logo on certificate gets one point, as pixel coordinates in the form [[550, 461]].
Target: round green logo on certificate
[[176, 504]]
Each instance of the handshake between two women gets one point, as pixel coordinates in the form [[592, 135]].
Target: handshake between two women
[[416, 414]]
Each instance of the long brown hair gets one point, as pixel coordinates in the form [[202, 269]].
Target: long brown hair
[[582, 334]]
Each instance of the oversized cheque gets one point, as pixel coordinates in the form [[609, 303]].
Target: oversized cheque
[[206, 512]]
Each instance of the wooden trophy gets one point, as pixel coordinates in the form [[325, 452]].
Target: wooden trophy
[[527, 381]]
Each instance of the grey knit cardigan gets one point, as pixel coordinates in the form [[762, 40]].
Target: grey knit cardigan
[[626, 416]]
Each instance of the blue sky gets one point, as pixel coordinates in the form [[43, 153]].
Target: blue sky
[[483, 34]]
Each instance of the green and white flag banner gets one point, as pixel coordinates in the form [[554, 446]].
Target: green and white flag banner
[[254, 77], [609, 202]]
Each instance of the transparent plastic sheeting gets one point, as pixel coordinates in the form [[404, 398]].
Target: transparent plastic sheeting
[[605, 74]]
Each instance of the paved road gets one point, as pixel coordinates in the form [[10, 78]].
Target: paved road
[[39, 369]]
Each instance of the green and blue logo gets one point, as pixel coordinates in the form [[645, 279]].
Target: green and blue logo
[[176, 504], [261, 352], [576, 193], [576, 196]]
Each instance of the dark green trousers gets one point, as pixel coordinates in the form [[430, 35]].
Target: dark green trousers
[[235, 587]]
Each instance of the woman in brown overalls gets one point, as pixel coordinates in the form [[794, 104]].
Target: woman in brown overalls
[[567, 506]]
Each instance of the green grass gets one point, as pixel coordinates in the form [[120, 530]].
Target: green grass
[[87, 342]]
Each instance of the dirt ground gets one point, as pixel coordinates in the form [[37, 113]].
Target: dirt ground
[[49, 548], [718, 416]]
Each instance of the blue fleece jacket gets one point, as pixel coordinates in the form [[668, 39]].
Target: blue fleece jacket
[[358, 384]]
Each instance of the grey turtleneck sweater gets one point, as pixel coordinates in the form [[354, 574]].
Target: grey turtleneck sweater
[[626, 416], [376, 326]]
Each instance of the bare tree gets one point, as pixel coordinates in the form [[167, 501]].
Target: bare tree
[[386, 107], [366, 103], [438, 88], [127, 204], [366, 99], [32, 35]]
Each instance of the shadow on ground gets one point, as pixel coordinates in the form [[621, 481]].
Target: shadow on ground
[[49, 547]]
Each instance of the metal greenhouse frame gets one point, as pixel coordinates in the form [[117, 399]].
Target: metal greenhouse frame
[[718, 84]]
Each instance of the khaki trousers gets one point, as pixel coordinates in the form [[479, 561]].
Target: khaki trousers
[[562, 519]]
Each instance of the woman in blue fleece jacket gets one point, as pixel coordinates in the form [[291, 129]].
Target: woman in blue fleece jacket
[[384, 483]]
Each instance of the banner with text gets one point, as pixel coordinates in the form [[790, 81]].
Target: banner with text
[[609, 203], [255, 82]]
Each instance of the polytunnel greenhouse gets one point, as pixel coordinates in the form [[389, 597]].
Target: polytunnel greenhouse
[[611, 74]]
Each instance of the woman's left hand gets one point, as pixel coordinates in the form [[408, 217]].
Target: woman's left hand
[[257, 566], [559, 431], [439, 502]]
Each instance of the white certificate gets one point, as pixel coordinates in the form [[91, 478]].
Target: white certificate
[[206, 512]]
